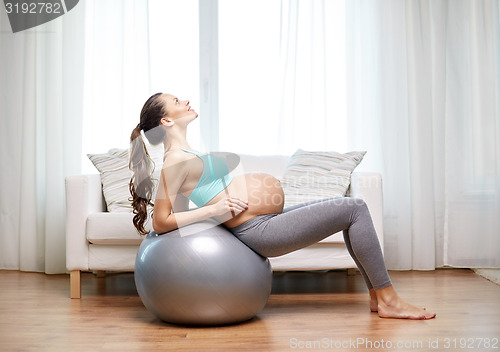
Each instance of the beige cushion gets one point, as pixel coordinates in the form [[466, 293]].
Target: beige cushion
[[113, 229], [318, 175], [116, 175]]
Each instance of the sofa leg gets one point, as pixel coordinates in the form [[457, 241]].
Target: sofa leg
[[351, 271], [75, 284]]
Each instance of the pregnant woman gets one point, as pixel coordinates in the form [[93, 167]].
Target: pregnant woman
[[250, 205]]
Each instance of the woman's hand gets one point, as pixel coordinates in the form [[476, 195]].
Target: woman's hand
[[229, 206]]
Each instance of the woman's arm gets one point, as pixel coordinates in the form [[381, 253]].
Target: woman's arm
[[165, 220], [164, 223]]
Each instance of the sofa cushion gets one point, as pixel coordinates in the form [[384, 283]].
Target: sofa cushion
[[116, 175], [318, 175], [113, 229]]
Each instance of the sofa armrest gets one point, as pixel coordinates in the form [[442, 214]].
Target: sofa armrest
[[83, 197], [368, 186]]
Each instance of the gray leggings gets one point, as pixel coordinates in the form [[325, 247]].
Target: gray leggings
[[304, 224]]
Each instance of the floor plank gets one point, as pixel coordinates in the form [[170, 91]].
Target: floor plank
[[306, 311]]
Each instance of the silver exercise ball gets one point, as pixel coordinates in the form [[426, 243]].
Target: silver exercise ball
[[201, 275]]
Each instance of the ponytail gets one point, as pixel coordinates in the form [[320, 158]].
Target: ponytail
[[141, 185]]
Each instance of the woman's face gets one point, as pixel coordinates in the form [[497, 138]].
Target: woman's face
[[178, 109]]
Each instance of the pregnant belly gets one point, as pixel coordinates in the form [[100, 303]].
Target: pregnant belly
[[263, 193]]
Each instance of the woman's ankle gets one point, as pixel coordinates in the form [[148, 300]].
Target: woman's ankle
[[386, 295]]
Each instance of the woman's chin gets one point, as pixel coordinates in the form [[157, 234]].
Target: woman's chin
[[188, 118]]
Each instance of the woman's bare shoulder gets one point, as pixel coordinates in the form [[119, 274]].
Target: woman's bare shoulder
[[177, 159]]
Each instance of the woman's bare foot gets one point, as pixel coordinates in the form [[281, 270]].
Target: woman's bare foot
[[374, 301], [402, 310], [391, 306]]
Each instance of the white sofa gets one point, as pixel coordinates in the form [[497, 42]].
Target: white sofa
[[106, 241]]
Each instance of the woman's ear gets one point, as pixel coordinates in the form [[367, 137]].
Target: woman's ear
[[166, 121]]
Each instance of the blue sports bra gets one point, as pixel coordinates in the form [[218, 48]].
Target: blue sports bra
[[214, 179]]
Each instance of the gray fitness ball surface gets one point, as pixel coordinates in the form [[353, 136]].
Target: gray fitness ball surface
[[201, 274]]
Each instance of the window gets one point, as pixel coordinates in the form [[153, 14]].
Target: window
[[123, 68], [249, 95], [281, 72], [282, 82]]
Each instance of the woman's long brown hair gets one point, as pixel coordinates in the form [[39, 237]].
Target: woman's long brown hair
[[141, 184]]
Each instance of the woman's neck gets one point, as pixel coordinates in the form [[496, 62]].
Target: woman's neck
[[173, 142]]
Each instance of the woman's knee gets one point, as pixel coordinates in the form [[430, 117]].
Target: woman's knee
[[355, 203], [359, 206], [360, 203]]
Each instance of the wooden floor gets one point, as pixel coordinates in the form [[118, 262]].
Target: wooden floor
[[306, 311]]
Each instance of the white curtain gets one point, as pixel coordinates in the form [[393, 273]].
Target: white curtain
[[134, 48], [76, 86], [70, 87], [424, 99], [41, 80], [312, 79], [415, 83], [248, 65], [117, 73]]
